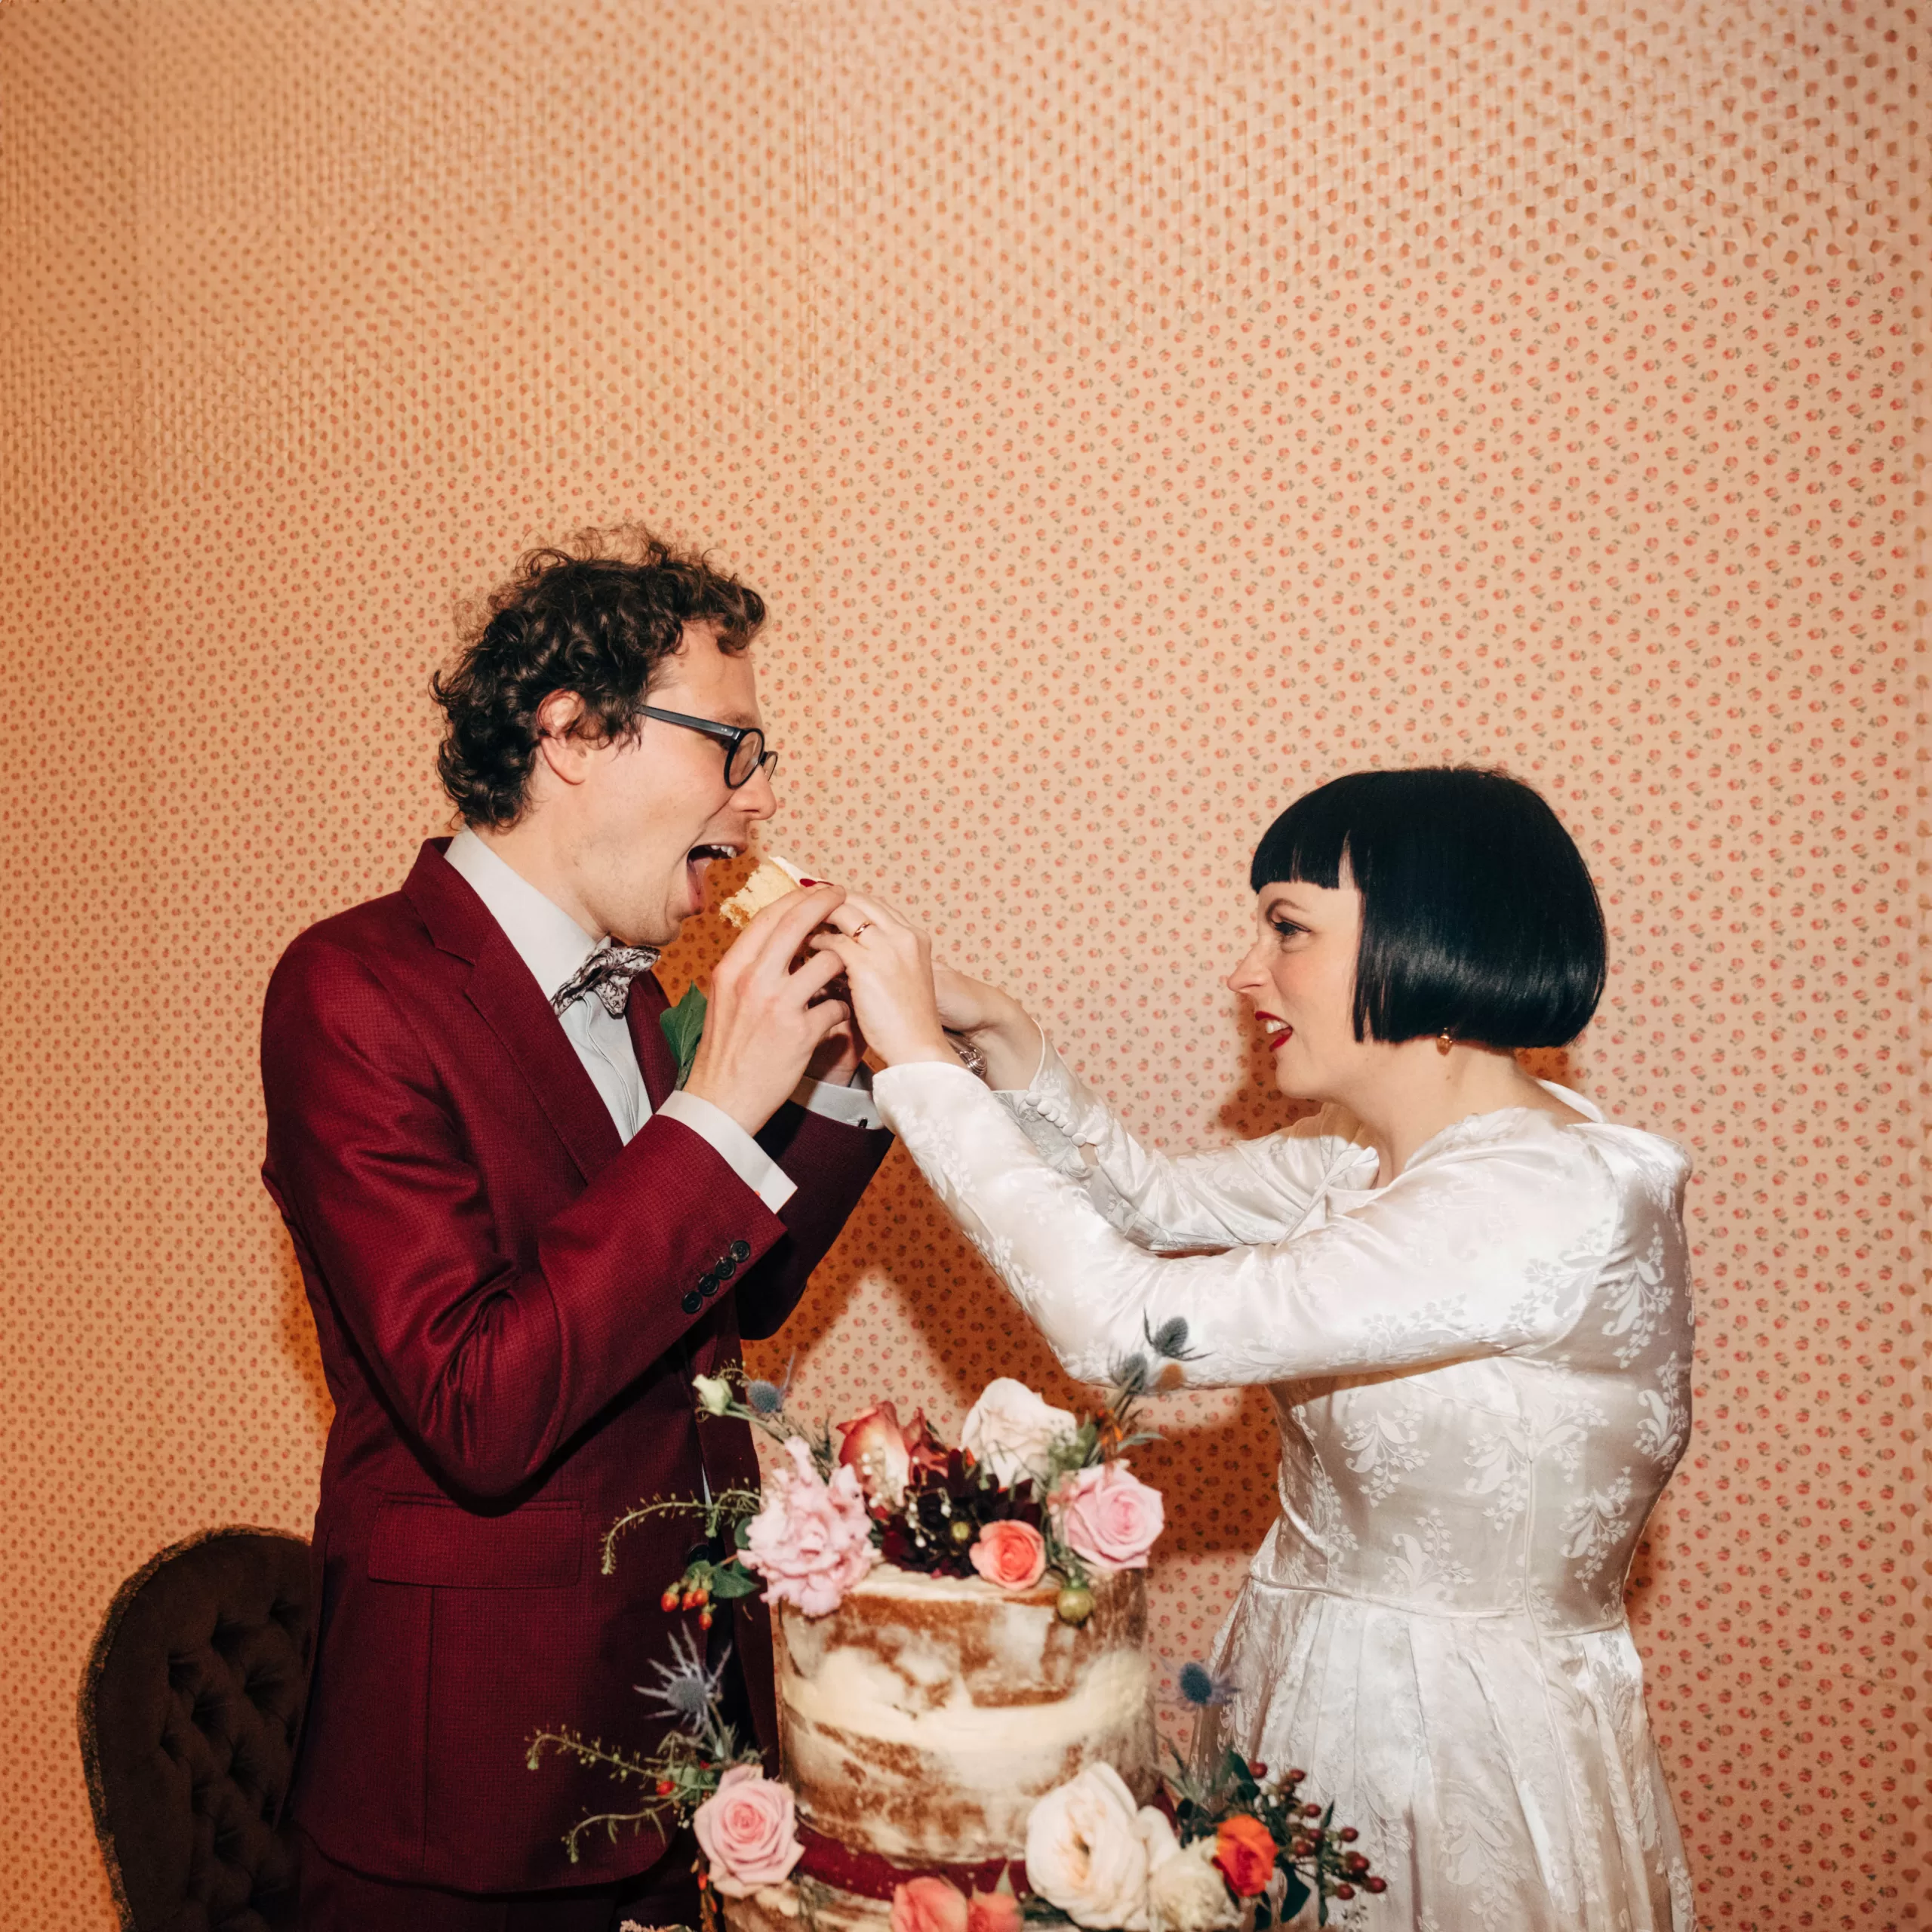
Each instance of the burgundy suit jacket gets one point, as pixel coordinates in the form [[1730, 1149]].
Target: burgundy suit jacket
[[511, 1304]]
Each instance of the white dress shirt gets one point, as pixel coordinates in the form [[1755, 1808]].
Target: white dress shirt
[[553, 946]]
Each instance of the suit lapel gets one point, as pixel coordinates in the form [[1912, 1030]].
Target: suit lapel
[[654, 1059], [512, 1003]]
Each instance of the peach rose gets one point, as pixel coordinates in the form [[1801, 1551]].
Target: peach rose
[[1012, 1555], [1245, 1853], [1108, 1517], [747, 1830], [929, 1905], [812, 1540]]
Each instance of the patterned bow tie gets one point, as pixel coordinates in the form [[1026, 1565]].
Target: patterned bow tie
[[607, 973]]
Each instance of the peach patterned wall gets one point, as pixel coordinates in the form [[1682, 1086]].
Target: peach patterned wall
[[1135, 414]]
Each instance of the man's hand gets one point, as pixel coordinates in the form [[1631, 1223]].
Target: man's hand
[[762, 1029], [839, 1055]]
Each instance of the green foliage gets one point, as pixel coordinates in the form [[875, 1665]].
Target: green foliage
[[683, 1027], [735, 1506]]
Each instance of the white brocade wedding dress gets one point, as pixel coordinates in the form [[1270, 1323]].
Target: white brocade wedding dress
[[1481, 1375]]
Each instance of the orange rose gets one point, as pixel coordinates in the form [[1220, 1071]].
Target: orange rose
[[1246, 1855], [928, 1905], [993, 1911]]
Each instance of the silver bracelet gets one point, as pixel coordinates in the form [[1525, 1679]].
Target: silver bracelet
[[970, 1056]]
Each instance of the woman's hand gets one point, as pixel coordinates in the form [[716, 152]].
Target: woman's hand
[[888, 965], [995, 1022]]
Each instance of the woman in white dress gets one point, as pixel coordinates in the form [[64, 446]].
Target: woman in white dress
[[1466, 1293]]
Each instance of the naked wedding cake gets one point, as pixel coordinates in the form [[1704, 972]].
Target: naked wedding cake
[[959, 1631], [922, 1719]]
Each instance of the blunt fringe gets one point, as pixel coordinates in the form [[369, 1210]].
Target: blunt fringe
[[1479, 916], [596, 617]]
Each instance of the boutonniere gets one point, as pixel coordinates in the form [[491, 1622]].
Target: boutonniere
[[683, 1027]]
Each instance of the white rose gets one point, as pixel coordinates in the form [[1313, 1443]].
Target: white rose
[[1087, 1850], [1187, 1893], [1009, 1429]]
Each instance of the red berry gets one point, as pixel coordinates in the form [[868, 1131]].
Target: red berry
[[1295, 1777], [1258, 1769], [704, 1618], [1348, 1834], [664, 1787], [668, 1601], [1355, 1865], [1375, 1884], [1344, 1891], [1311, 1810]]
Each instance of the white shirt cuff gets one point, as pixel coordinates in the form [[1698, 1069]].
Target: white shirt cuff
[[852, 1105], [736, 1148]]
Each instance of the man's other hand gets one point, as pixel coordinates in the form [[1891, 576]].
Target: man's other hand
[[762, 1029]]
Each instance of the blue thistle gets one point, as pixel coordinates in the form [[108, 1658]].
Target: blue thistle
[[687, 1688], [764, 1398], [1201, 1688], [1170, 1340]]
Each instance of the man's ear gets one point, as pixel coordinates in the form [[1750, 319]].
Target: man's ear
[[566, 752]]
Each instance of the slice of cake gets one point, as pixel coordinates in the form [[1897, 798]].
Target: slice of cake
[[772, 879]]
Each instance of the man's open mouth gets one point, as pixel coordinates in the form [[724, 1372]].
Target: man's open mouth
[[700, 857]]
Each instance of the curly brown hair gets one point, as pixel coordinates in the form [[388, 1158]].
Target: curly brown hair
[[596, 618]]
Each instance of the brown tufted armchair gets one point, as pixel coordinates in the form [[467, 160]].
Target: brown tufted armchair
[[190, 1709]]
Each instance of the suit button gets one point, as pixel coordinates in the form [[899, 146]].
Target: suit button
[[725, 1267], [707, 1286], [692, 1302], [741, 1251]]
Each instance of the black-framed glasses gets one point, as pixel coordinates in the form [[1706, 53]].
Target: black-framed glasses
[[745, 754]]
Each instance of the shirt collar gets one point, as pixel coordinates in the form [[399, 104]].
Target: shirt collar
[[548, 941]]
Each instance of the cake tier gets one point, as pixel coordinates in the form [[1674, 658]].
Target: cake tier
[[922, 1719]]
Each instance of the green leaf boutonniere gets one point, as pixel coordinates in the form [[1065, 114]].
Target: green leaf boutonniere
[[683, 1027]]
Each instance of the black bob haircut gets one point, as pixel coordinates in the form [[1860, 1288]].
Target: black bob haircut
[[1478, 918]]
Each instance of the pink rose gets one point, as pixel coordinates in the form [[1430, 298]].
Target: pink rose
[[748, 1832], [874, 1448], [812, 1540], [1108, 1517], [993, 1911], [928, 1905], [1014, 1555]]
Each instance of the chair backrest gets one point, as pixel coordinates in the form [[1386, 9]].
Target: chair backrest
[[190, 1705]]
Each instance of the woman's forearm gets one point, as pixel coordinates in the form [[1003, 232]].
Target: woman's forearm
[[1012, 1044]]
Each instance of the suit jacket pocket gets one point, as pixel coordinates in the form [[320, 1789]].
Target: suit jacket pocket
[[424, 1540]]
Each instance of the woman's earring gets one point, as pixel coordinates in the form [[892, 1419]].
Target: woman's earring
[[1445, 1040]]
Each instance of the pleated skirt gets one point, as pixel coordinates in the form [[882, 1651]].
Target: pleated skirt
[[1503, 1777]]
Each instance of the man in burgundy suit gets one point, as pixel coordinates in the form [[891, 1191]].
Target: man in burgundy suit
[[520, 1241]]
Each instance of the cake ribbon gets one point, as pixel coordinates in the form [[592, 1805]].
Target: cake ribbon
[[867, 1875]]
